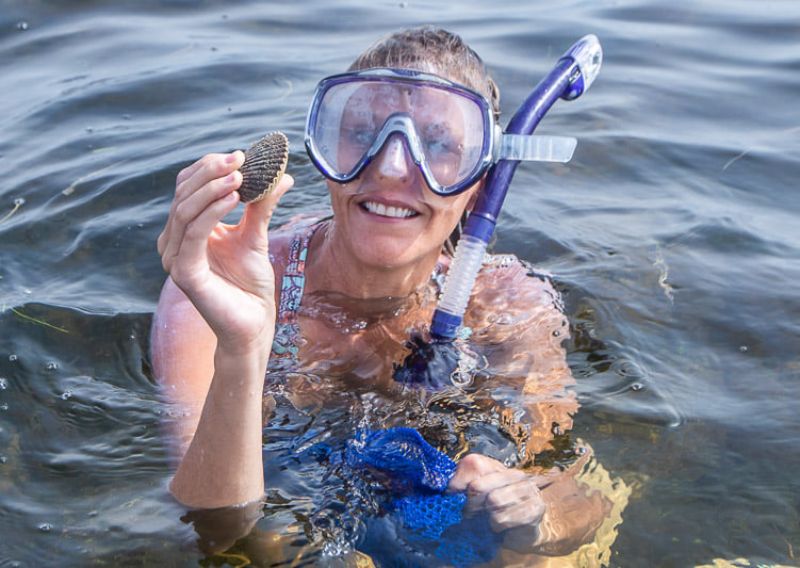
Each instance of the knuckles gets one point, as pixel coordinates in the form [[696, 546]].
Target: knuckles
[[511, 497], [207, 168], [476, 465], [181, 214]]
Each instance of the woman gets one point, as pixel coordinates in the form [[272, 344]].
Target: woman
[[379, 260]]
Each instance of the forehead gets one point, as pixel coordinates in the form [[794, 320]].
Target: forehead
[[380, 92], [418, 99]]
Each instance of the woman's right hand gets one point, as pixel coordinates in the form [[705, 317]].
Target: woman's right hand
[[223, 269]]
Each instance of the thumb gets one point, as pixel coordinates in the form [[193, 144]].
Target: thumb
[[257, 215]]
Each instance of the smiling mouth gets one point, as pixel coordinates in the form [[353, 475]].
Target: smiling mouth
[[388, 211]]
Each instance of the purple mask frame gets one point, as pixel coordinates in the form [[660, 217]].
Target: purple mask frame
[[401, 123]]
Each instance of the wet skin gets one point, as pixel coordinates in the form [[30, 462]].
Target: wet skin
[[215, 323]]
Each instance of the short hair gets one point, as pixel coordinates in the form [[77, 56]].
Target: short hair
[[432, 50]]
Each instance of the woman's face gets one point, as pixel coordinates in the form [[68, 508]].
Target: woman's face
[[388, 214]]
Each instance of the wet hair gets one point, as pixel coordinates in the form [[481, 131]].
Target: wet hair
[[434, 50]]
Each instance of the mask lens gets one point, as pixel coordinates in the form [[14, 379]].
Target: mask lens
[[449, 126], [346, 124]]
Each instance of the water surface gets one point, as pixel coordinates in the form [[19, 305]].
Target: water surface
[[672, 235]]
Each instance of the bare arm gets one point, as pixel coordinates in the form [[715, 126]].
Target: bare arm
[[213, 330], [217, 402], [182, 350], [546, 512]]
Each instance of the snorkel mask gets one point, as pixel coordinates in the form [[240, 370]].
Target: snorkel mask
[[449, 130], [450, 133]]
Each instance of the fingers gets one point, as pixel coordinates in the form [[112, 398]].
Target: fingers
[[490, 491], [514, 504], [193, 245], [511, 497], [194, 212], [192, 178], [510, 501], [205, 189], [257, 215], [210, 166], [471, 467]]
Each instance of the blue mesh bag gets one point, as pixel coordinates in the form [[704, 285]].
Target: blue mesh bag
[[417, 475]]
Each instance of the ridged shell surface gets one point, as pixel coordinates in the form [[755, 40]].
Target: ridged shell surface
[[264, 164]]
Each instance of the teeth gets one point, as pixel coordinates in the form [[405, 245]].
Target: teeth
[[380, 209]]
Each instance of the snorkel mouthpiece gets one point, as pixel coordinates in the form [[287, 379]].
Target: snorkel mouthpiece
[[571, 76]]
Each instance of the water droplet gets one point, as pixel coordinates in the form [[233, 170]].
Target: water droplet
[[403, 4], [132, 337], [13, 357], [92, 514], [45, 527], [636, 387], [126, 116], [556, 333], [3, 383], [52, 366], [557, 429], [743, 348], [66, 395], [3, 406], [22, 25], [3, 459], [19, 201]]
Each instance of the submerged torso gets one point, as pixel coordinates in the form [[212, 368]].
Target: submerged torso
[[345, 352], [516, 407]]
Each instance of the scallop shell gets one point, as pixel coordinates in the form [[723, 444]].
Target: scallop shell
[[264, 164]]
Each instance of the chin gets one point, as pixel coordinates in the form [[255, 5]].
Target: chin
[[389, 255]]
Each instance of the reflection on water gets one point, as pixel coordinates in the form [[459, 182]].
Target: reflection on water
[[672, 236]]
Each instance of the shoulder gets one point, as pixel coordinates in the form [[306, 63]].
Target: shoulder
[[511, 297]]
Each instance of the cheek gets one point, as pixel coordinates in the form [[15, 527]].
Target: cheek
[[462, 202], [341, 191]]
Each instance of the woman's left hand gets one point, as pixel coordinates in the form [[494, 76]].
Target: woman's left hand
[[512, 498]]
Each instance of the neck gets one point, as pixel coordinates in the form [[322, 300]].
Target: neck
[[333, 267]]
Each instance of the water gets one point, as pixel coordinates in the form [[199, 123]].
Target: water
[[672, 235]]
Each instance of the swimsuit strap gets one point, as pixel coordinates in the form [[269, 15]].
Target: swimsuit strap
[[286, 343], [287, 332]]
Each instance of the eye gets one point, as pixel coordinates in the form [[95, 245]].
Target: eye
[[439, 140], [359, 135]]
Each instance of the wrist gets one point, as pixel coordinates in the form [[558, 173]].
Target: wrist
[[242, 360], [245, 349]]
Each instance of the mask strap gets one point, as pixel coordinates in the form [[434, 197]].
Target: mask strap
[[534, 148]]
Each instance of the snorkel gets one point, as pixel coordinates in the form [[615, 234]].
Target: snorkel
[[569, 79], [441, 361], [342, 140]]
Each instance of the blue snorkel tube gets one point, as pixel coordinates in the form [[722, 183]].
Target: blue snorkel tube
[[569, 79]]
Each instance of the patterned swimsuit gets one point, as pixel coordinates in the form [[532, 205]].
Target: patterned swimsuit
[[287, 332]]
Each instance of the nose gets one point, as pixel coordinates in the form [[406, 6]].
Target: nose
[[394, 163]]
